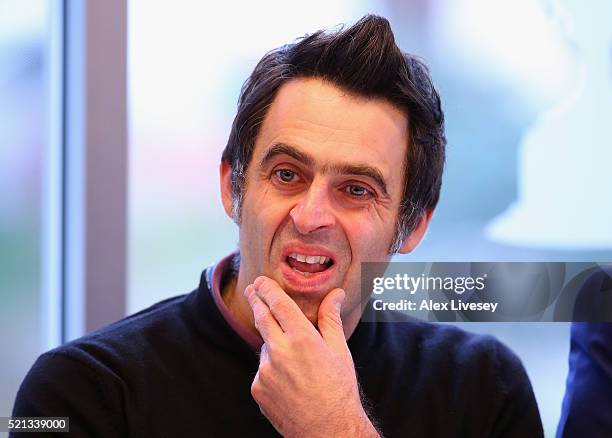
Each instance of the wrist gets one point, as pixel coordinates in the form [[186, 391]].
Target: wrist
[[366, 429], [360, 426]]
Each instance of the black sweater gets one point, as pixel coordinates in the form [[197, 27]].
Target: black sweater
[[177, 369]]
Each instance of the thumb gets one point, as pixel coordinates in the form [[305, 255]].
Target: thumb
[[330, 321]]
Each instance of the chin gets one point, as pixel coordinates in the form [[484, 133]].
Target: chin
[[309, 309]]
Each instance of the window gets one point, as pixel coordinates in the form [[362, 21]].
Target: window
[[29, 119]]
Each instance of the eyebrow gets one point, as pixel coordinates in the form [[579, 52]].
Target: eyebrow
[[337, 168]]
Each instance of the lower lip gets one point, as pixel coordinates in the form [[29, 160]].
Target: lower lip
[[301, 283]]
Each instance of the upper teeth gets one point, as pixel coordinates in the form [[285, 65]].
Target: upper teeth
[[309, 259]]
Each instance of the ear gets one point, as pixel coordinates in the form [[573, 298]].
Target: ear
[[225, 182], [414, 238]]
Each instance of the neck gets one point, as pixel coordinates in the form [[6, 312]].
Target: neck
[[237, 304]]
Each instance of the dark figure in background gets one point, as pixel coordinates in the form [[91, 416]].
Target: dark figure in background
[[587, 406]]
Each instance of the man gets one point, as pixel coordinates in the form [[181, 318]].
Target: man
[[335, 158], [588, 397]]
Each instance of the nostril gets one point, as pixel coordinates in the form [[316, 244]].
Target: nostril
[[307, 220]]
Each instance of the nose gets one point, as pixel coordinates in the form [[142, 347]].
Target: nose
[[314, 210]]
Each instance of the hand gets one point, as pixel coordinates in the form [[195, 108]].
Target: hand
[[306, 383]]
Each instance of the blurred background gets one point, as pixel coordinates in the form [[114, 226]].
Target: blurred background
[[527, 92]]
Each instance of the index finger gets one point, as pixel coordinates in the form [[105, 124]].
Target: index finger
[[265, 323], [288, 314]]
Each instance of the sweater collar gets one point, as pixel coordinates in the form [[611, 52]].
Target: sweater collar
[[212, 307], [216, 275]]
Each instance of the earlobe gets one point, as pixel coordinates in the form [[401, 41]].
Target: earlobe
[[414, 238], [225, 182]]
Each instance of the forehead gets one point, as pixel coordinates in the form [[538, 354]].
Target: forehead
[[335, 126]]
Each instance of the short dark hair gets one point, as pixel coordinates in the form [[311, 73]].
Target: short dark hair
[[365, 61]]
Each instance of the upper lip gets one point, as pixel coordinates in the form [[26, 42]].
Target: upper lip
[[307, 250]]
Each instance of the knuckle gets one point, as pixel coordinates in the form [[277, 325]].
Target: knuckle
[[265, 350], [265, 354], [256, 390], [277, 354], [265, 373], [256, 311], [278, 306], [268, 349], [260, 317], [334, 320]]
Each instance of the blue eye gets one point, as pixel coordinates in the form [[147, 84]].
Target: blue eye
[[358, 191], [285, 175]]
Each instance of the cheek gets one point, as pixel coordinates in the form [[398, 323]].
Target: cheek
[[369, 238], [262, 217]]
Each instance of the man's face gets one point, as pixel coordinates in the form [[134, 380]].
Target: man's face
[[323, 190]]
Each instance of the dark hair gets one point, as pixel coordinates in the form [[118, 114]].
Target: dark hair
[[365, 61]]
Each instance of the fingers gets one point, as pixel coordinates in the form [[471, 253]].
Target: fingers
[[288, 314], [265, 323], [330, 320]]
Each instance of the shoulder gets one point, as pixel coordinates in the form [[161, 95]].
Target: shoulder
[[88, 376], [445, 356], [448, 346], [473, 380], [137, 335], [435, 344], [106, 355], [60, 385]]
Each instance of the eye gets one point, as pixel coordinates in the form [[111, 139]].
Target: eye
[[286, 175], [358, 191]]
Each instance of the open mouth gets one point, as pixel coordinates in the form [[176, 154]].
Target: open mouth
[[309, 265]]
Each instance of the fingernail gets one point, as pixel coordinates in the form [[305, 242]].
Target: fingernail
[[258, 281], [248, 290], [340, 299]]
